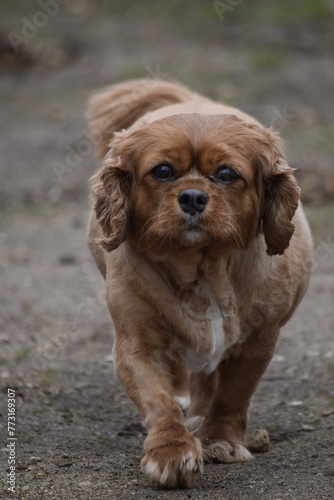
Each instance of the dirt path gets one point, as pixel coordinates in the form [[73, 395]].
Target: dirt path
[[79, 437]]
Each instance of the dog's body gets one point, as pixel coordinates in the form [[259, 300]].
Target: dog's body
[[191, 228]]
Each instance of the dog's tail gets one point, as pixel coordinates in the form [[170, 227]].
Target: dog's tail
[[119, 106]]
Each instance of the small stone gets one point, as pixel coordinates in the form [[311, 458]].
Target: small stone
[[4, 338], [258, 441], [296, 403], [66, 259], [308, 428]]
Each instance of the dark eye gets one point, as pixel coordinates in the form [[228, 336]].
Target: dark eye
[[226, 175], [163, 172]]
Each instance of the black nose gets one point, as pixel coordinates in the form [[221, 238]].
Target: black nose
[[193, 201]]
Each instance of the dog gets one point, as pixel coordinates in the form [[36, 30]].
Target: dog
[[197, 228]]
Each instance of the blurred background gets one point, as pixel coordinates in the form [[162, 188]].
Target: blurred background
[[273, 59]]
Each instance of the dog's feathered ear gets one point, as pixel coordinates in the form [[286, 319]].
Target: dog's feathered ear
[[110, 193], [281, 193]]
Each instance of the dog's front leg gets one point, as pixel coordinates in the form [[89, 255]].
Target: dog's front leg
[[222, 431], [173, 455]]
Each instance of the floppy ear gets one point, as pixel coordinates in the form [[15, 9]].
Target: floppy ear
[[110, 192], [281, 195]]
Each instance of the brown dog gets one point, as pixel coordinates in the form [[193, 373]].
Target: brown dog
[[197, 229]]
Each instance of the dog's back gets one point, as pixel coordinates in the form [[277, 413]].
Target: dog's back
[[120, 105]]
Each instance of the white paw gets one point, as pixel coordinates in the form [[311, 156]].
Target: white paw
[[223, 451], [171, 469]]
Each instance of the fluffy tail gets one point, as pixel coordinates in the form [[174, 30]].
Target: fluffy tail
[[120, 105]]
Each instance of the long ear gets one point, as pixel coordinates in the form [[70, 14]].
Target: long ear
[[110, 192], [281, 196]]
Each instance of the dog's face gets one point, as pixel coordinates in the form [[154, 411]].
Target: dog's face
[[195, 180]]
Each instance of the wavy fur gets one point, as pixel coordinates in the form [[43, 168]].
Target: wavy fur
[[197, 301]]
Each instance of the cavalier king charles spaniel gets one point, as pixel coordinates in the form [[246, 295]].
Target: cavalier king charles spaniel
[[197, 229]]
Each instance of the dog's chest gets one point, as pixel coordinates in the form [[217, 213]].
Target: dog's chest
[[207, 360]]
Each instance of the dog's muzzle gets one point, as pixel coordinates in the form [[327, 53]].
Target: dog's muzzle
[[193, 201]]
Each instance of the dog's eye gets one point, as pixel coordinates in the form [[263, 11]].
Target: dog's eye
[[226, 175], [163, 172]]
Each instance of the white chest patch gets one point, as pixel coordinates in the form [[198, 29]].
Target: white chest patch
[[207, 361]]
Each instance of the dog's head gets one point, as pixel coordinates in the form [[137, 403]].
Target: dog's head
[[195, 180]]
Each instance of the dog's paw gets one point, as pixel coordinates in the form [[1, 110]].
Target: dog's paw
[[223, 451], [173, 464]]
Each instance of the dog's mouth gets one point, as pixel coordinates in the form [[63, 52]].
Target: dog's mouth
[[193, 232], [195, 228]]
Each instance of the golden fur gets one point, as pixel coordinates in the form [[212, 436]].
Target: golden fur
[[197, 307]]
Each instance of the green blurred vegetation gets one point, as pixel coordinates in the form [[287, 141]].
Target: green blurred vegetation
[[247, 10], [188, 11], [268, 58]]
